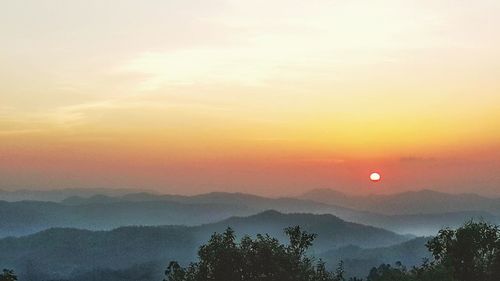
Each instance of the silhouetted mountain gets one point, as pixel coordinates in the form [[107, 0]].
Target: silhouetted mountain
[[425, 224], [27, 217], [333, 231], [56, 195], [64, 252], [94, 199], [239, 199], [359, 261], [416, 224], [101, 212], [409, 203], [140, 272]]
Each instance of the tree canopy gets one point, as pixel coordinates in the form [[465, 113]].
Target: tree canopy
[[261, 259], [469, 253], [8, 275]]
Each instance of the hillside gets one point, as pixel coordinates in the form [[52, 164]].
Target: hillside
[[102, 212], [56, 195], [333, 231], [359, 261], [27, 217], [408, 203], [66, 252], [240, 199], [419, 224]]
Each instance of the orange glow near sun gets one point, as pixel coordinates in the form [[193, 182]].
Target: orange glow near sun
[[322, 96]]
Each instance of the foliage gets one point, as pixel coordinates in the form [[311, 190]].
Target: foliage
[[470, 253], [8, 275], [387, 272], [261, 259]]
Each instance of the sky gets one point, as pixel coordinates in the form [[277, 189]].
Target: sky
[[271, 97]]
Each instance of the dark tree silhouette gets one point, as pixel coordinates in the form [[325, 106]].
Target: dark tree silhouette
[[386, 272], [8, 275], [470, 253], [261, 259]]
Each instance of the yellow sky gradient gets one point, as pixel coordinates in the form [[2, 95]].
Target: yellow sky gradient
[[269, 97]]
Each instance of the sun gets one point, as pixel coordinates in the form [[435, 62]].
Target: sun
[[375, 177]]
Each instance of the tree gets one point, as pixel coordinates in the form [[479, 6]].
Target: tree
[[430, 271], [8, 275], [261, 259], [470, 253], [385, 272]]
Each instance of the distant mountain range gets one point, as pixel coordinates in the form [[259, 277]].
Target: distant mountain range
[[332, 231], [78, 235], [62, 253], [358, 261], [104, 212], [56, 195], [27, 217], [407, 203], [238, 199]]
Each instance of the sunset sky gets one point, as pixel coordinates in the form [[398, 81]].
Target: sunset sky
[[272, 97]]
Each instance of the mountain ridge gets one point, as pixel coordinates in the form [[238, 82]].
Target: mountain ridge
[[58, 252], [424, 201]]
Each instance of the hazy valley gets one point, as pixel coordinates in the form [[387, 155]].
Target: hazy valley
[[112, 234]]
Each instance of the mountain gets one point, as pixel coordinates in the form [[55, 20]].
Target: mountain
[[103, 212], [359, 261], [408, 203], [62, 253], [333, 231], [425, 224], [27, 217], [239, 199], [58, 254], [419, 224], [94, 199], [56, 195]]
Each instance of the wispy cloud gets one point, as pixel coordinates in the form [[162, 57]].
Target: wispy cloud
[[315, 41]]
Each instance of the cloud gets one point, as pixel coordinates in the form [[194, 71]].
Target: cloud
[[305, 42]]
